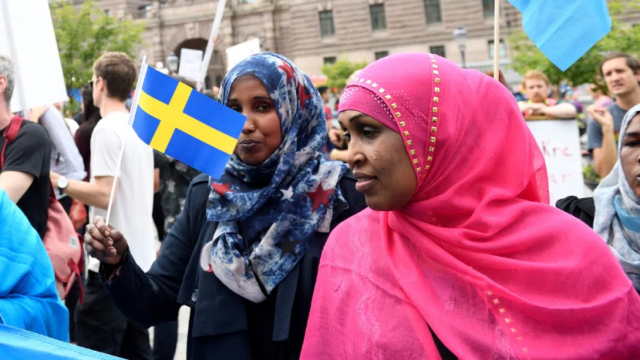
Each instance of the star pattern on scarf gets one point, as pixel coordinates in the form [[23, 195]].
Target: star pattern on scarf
[[303, 96], [286, 194], [287, 246], [287, 70], [319, 197], [221, 189]]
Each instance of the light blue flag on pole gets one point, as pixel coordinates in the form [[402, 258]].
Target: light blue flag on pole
[[564, 30]]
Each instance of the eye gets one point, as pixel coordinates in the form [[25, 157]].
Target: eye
[[263, 107], [347, 135], [369, 132], [632, 143]]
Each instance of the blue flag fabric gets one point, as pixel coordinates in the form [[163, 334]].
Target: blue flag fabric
[[18, 344], [184, 124], [564, 30]]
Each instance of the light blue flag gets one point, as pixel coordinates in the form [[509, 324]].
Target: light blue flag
[[564, 30]]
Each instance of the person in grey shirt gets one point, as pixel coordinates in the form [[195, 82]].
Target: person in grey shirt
[[65, 157], [621, 73]]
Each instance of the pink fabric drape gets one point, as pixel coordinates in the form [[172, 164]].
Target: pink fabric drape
[[477, 255]]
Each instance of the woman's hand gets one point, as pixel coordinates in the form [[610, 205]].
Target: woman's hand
[[336, 137], [104, 242]]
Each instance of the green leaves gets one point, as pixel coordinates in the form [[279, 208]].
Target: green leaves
[[338, 73], [84, 33], [586, 70]]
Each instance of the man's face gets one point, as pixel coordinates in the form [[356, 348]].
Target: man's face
[[619, 77], [98, 88], [325, 97], [536, 90]]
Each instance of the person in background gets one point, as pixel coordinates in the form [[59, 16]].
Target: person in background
[[28, 296], [25, 175], [536, 85], [614, 210], [621, 73], [599, 98], [243, 253], [324, 93], [65, 158], [215, 91], [100, 326], [459, 255]]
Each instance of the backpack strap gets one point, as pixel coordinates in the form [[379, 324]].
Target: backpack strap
[[10, 134]]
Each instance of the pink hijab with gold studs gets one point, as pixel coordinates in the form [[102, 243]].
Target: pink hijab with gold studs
[[477, 256]]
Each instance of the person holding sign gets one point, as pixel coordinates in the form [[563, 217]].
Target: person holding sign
[[536, 86], [459, 256], [244, 252]]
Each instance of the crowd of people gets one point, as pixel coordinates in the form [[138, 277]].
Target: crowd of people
[[409, 227]]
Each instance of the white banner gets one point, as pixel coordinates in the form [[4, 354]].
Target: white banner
[[190, 63], [239, 52], [27, 36], [559, 142]]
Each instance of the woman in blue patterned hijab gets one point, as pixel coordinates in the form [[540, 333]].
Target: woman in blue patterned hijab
[[278, 190]]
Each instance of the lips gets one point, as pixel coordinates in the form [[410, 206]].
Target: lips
[[248, 142], [250, 146], [365, 181]]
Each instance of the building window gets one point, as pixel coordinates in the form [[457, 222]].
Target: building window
[[378, 20], [144, 11], [326, 24], [380, 54], [502, 50], [329, 60], [437, 50], [107, 12], [432, 10], [488, 8]]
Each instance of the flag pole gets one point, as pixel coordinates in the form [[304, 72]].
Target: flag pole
[[212, 39], [496, 40], [132, 115]]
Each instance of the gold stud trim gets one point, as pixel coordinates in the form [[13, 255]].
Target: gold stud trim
[[436, 99], [398, 115], [502, 310], [437, 80], [419, 169], [519, 338], [368, 82], [381, 91], [409, 142], [435, 109], [388, 97], [433, 139], [406, 133], [431, 149], [433, 60], [374, 85], [393, 106], [489, 293], [437, 89], [495, 301], [402, 123], [356, 79], [513, 330], [434, 66], [412, 152], [434, 129], [434, 119], [415, 161], [429, 158], [507, 320], [436, 72], [428, 167]]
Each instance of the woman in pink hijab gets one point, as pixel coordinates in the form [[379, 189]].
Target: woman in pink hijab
[[459, 255]]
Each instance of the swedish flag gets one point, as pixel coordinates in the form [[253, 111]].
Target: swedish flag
[[176, 120]]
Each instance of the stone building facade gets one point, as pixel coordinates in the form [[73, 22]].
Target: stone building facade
[[315, 32]]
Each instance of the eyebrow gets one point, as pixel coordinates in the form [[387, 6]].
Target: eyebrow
[[356, 117], [255, 98], [635, 133]]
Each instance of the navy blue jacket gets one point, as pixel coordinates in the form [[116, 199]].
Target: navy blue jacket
[[223, 325]]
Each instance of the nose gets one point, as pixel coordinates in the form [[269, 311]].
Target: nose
[[355, 154], [249, 126]]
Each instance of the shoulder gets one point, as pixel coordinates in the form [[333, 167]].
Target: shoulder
[[355, 199], [33, 131], [583, 209]]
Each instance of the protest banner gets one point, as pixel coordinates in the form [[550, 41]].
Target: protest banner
[[190, 63], [560, 144], [34, 51], [239, 52]]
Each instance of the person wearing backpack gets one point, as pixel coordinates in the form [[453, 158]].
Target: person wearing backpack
[[24, 174]]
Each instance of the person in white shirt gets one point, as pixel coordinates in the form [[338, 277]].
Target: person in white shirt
[[100, 325]]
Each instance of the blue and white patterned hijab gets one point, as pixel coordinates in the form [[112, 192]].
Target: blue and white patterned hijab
[[618, 213], [286, 200]]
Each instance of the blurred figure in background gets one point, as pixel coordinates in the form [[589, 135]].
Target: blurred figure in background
[[599, 98], [537, 85]]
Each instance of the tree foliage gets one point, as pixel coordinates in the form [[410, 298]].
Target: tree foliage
[[622, 37], [338, 72], [84, 33]]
